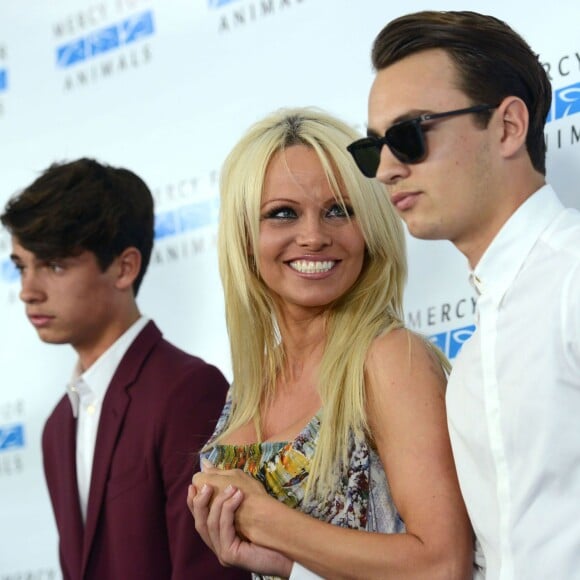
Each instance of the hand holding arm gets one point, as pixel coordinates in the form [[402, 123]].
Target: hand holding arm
[[213, 499]]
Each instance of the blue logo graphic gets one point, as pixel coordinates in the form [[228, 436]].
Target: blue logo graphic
[[218, 3], [8, 271], [565, 102], [106, 39], [186, 218], [3, 79], [11, 437], [450, 342], [103, 40]]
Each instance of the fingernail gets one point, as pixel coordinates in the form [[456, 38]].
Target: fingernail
[[229, 490], [205, 464]]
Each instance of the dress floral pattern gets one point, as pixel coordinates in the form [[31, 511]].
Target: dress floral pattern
[[362, 499]]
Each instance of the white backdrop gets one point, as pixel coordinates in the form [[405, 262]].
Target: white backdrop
[[166, 88]]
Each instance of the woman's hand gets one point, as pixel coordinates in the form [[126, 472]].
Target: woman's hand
[[219, 479], [213, 499]]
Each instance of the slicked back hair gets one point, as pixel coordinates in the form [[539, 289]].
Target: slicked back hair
[[492, 60]]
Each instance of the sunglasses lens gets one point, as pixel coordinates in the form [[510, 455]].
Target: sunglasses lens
[[406, 141], [367, 154]]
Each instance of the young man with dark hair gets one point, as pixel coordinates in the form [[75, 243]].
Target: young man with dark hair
[[118, 448], [456, 117]]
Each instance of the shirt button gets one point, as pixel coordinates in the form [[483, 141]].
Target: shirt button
[[91, 409], [476, 283]]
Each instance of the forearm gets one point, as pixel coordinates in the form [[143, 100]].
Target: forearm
[[339, 553]]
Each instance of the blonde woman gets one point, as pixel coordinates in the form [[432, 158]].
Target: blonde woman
[[335, 423]]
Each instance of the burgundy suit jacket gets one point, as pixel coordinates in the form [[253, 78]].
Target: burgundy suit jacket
[[160, 408]]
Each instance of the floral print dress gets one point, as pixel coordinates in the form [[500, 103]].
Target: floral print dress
[[362, 500]]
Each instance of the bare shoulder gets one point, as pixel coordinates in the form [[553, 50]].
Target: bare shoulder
[[403, 375], [400, 356]]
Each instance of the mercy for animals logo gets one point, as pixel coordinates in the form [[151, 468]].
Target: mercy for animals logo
[[102, 42]]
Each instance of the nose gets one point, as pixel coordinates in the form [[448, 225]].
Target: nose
[[313, 234], [390, 169], [31, 291]]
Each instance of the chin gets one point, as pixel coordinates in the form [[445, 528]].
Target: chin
[[424, 232], [51, 339]]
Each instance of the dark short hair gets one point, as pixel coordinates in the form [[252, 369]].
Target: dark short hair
[[493, 62], [84, 205]]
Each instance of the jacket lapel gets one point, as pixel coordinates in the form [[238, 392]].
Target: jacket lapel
[[70, 519], [115, 406]]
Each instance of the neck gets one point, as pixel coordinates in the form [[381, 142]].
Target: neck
[[304, 340], [475, 243], [90, 351]]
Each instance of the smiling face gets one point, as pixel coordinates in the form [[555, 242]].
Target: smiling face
[[72, 301], [455, 192], [310, 250]]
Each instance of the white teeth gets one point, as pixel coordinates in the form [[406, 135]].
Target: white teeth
[[309, 267]]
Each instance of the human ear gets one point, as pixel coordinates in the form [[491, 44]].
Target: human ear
[[129, 266], [514, 118]]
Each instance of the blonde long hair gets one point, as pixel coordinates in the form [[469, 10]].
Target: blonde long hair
[[372, 306]]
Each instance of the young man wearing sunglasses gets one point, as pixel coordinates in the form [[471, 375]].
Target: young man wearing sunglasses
[[456, 118], [119, 447]]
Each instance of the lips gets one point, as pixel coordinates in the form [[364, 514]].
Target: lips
[[39, 320], [312, 266], [404, 200]]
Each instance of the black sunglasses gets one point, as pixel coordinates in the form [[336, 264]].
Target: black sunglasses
[[405, 139]]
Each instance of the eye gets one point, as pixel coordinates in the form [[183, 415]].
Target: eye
[[280, 213], [18, 267], [54, 266], [339, 211]]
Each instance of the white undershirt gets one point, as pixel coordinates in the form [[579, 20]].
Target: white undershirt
[[86, 392]]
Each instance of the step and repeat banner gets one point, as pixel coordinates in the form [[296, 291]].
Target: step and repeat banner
[[165, 88]]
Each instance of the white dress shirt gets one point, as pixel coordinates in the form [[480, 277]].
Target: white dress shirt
[[86, 392], [514, 397]]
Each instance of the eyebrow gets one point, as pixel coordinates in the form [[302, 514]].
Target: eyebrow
[[332, 199], [16, 259], [277, 200]]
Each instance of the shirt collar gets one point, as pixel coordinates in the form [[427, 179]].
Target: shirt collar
[[94, 381], [506, 254]]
